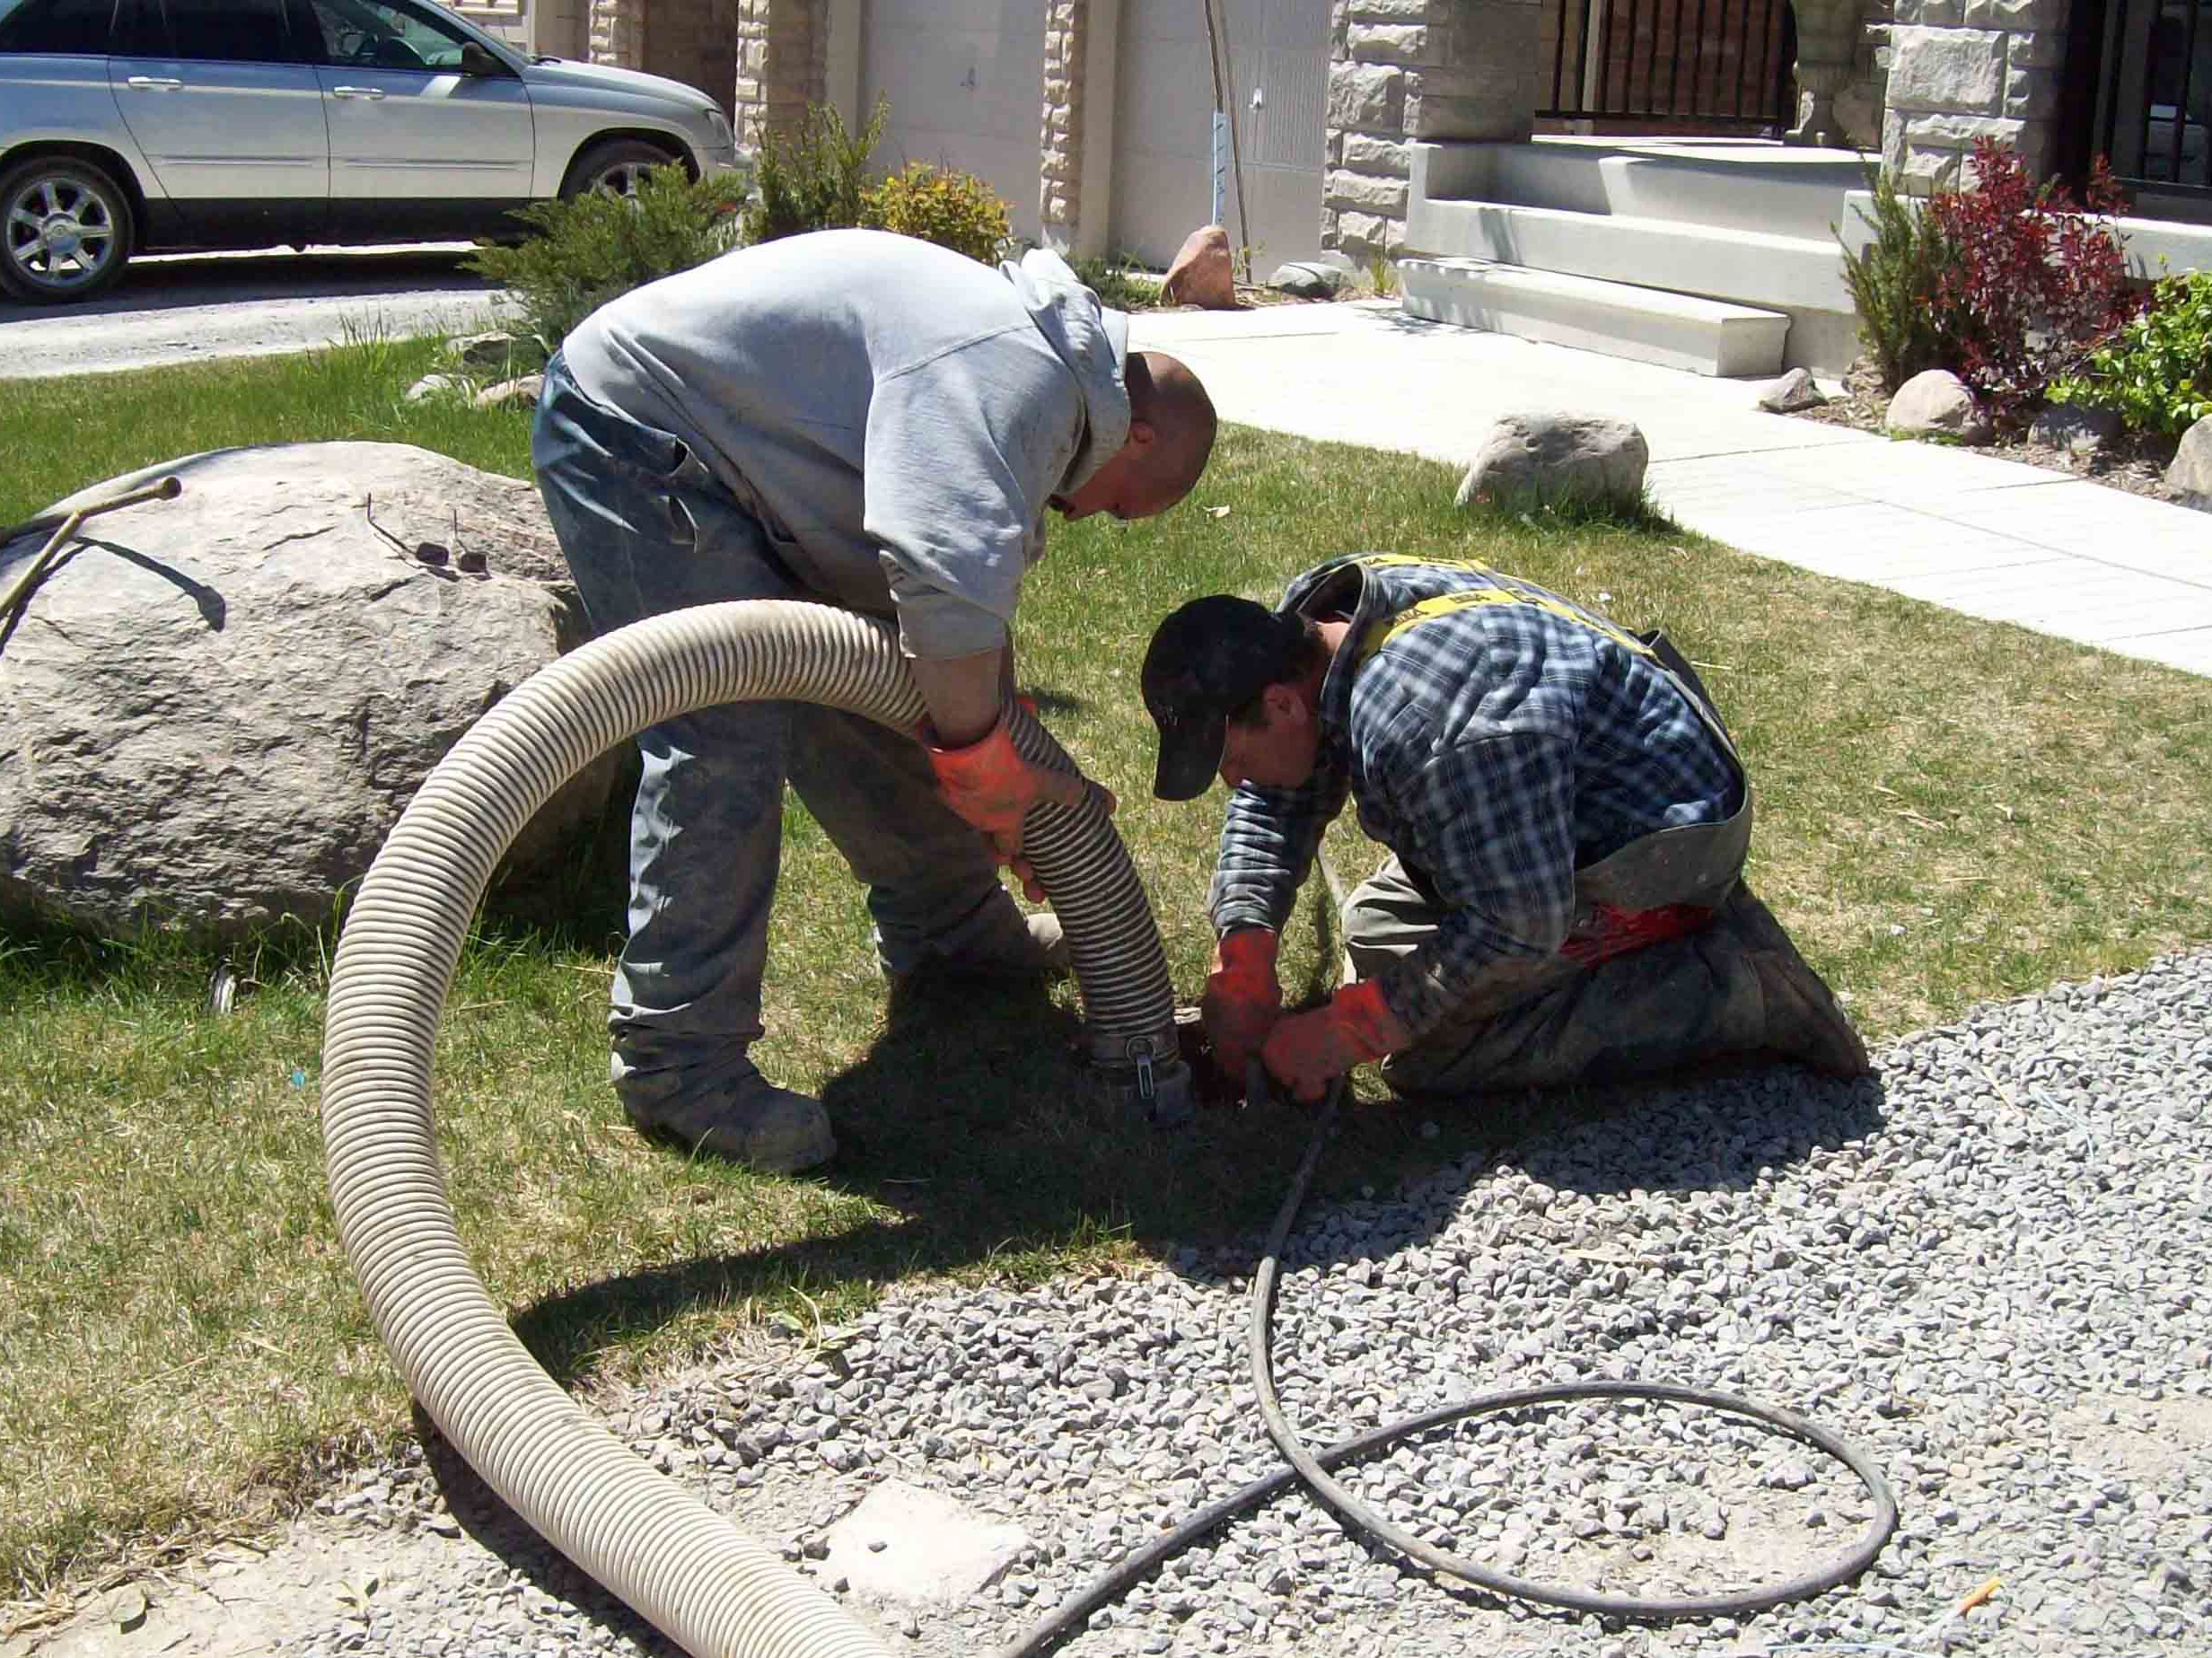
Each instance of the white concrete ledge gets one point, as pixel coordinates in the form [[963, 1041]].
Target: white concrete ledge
[[1644, 325]]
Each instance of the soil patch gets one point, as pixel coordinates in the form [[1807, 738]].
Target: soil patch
[[2135, 462]]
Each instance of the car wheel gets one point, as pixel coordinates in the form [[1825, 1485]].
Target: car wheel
[[615, 165], [65, 230]]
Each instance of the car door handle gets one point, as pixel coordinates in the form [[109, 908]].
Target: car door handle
[[156, 83], [356, 92]]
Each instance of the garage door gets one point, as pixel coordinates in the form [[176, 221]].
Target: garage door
[[1277, 75], [965, 79]]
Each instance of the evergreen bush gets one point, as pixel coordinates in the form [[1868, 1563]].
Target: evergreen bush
[[589, 249], [813, 178], [1893, 282]]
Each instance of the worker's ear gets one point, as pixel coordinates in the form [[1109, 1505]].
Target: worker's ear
[[1282, 703], [1142, 434]]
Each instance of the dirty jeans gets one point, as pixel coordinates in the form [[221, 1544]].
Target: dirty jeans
[[645, 529], [1677, 1002]]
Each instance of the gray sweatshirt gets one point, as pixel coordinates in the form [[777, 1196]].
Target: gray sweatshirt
[[899, 414]]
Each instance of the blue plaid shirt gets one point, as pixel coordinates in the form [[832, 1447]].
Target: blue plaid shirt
[[1495, 747]]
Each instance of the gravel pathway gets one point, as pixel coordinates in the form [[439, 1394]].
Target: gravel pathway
[[1989, 1265]]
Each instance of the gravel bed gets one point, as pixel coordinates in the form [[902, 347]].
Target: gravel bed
[[1989, 1265]]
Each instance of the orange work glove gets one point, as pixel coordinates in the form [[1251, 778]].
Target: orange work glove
[[1308, 1051], [1242, 1001], [992, 787]]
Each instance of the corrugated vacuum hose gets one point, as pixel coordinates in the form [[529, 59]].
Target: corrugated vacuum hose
[[685, 1569]]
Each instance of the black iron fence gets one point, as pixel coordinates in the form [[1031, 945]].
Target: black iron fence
[[2154, 102], [1671, 65]]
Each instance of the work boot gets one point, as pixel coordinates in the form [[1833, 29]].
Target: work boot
[[1805, 1021], [1004, 943], [748, 1120]]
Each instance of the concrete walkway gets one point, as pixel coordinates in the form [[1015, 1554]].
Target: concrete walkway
[[1989, 537]]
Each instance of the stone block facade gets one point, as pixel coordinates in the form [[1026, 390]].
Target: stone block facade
[[783, 64], [615, 32], [1402, 71], [1059, 171], [1966, 69], [764, 61]]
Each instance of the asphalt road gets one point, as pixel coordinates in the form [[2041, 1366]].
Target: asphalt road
[[188, 308]]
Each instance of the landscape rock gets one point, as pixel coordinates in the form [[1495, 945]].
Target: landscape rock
[[2082, 431], [918, 1547], [1936, 402], [2191, 471], [492, 350], [1203, 274], [525, 390], [436, 385], [213, 709], [1795, 391], [1548, 456], [1308, 279]]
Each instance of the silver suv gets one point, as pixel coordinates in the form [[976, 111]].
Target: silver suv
[[132, 126]]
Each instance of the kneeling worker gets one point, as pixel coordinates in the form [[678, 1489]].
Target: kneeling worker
[[1567, 820]]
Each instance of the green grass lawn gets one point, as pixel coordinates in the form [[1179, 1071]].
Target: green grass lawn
[[1949, 811]]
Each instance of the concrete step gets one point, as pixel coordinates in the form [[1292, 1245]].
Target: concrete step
[[1617, 319], [1731, 184]]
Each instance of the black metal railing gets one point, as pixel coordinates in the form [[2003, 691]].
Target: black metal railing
[[1719, 66], [2155, 101]]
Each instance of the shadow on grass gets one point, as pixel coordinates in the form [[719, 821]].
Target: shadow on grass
[[985, 1148]]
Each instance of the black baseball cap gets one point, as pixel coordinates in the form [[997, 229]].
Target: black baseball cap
[[1207, 660]]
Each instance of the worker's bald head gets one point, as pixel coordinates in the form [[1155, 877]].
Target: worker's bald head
[[1171, 436], [1167, 396]]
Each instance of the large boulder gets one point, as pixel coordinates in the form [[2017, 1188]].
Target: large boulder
[[1204, 272], [213, 709], [1937, 403], [1552, 457], [2190, 473]]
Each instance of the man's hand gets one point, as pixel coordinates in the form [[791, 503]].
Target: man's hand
[[1308, 1051], [1243, 1000], [992, 788]]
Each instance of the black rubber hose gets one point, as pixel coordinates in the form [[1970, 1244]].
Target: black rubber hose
[[1311, 1468]]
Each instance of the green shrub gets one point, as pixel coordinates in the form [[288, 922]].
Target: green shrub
[[1893, 282], [810, 180], [2156, 372], [954, 209], [1116, 287], [589, 249]]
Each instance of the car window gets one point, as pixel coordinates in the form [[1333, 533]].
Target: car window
[[372, 35], [233, 31], [79, 27]]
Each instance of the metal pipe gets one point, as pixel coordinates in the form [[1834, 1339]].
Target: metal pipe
[[165, 488]]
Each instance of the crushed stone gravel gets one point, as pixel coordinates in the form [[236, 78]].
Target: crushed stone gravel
[[1989, 1264]]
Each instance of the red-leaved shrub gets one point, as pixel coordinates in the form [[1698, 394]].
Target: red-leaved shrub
[[2034, 281]]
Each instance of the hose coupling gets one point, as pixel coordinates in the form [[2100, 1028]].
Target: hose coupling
[[1149, 1076]]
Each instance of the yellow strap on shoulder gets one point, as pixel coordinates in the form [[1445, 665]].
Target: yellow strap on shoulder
[[1491, 593]]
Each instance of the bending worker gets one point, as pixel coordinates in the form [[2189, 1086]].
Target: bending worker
[[871, 422], [1566, 821]]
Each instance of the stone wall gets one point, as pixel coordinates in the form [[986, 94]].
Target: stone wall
[[1059, 178], [1405, 70], [1965, 69], [616, 33], [783, 64]]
